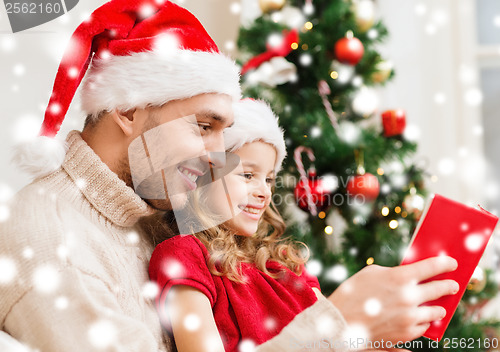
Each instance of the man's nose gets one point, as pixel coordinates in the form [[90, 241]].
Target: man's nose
[[217, 159], [215, 150]]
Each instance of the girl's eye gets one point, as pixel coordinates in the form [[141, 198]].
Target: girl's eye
[[247, 175], [270, 180]]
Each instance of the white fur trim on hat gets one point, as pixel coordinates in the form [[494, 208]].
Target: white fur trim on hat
[[255, 121], [153, 78], [40, 156]]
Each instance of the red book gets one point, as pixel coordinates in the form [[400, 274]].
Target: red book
[[456, 230]]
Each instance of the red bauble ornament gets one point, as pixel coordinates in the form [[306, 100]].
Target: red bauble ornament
[[319, 192], [394, 122], [349, 50], [365, 185]]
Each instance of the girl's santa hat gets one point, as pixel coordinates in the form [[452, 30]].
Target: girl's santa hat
[[255, 121], [140, 53]]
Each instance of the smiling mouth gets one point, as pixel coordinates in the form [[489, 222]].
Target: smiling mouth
[[188, 173], [250, 210], [190, 176]]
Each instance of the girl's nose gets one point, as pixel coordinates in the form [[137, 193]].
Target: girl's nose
[[262, 189]]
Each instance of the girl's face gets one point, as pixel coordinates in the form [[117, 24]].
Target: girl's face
[[249, 188]]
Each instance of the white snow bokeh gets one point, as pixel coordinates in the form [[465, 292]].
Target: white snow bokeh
[[314, 267], [25, 128], [81, 183], [103, 334], [150, 290], [235, 8], [62, 252], [305, 59], [61, 303], [173, 268], [4, 213], [133, 238], [337, 273], [349, 132], [46, 279], [356, 332], [473, 97], [474, 242], [270, 323], [8, 270], [372, 307], [192, 322], [325, 325], [28, 253], [446, 166], [247, 345]]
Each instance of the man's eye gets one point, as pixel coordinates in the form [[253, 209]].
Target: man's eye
[[204, 127]]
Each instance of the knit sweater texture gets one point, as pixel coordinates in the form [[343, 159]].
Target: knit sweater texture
[[73, 268], [78, 267]]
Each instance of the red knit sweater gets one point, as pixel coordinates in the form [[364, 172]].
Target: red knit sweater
[[256, 310]]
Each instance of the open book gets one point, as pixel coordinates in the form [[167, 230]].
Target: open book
[[456, 230]]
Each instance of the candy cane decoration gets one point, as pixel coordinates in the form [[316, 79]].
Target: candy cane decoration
[[297, 157], [324, 91]]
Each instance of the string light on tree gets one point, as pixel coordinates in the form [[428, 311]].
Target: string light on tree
[[341, 73], [385, 211], [393, 224]]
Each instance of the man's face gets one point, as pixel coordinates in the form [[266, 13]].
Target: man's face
[[180, 141]]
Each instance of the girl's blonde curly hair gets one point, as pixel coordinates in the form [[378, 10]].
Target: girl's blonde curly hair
[[227, 250]]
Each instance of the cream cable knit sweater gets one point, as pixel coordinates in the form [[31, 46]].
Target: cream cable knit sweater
[[75, 269]]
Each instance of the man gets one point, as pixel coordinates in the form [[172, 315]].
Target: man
[[78, 266]]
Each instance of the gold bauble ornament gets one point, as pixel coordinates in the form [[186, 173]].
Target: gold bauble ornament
[[383, 71], [365, 14], [477, 282], [414, 204], [271, 5]]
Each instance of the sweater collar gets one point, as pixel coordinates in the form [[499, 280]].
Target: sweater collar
[[102, 187]]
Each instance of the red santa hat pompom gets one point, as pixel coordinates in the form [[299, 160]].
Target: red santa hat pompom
[[134, 54], [255, 121]]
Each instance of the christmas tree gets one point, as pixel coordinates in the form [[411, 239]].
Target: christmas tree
[[351, 170]]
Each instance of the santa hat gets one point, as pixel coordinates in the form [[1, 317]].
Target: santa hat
[[140, 53], [255, 121]]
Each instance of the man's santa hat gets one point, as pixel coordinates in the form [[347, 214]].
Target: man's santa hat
[[141, 53], [255, 121]]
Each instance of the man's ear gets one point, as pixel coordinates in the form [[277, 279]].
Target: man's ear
[[129, 121]]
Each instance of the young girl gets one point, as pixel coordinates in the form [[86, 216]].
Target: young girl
[[238, 282]]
